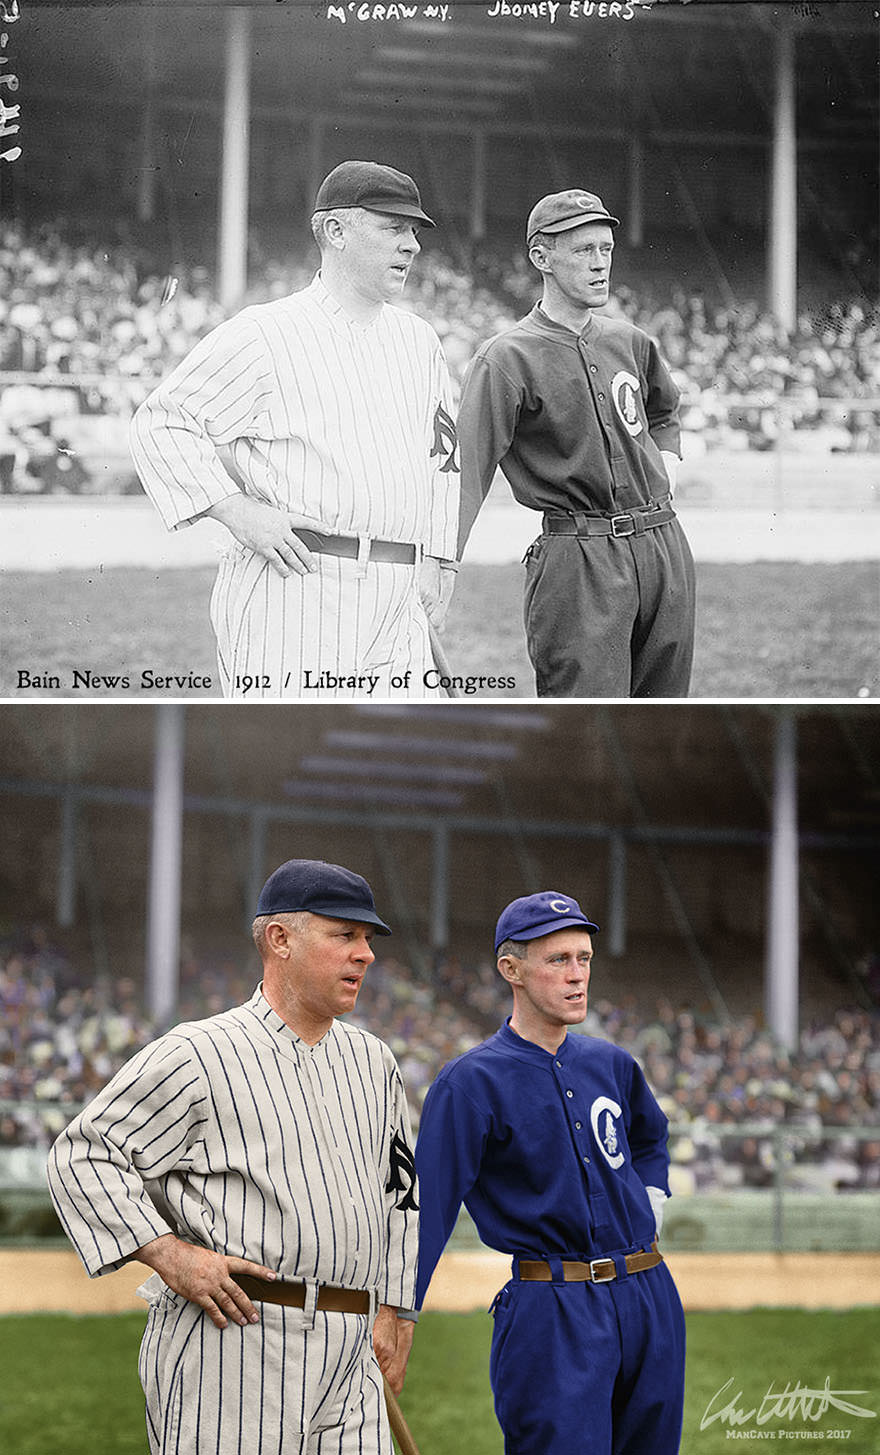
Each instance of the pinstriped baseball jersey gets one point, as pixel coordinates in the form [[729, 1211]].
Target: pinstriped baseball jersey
[[235, 1134], [239, 1136], [348, 424]]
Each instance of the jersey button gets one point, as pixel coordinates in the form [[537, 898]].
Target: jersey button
[[593, 369], [600, 396], [587, 1160], [569, 1093], [559, 1063], [578, 1126]]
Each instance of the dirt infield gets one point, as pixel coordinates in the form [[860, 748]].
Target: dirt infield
[[40, 1282]]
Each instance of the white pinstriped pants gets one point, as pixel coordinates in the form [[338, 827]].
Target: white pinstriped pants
[[277, 634], [273, 1388]]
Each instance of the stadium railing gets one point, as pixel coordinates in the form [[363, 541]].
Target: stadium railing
[[810, 1203]]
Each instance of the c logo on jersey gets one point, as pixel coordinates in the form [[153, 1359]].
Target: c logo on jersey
[[604, 1129], [624, 392], [445, 440]]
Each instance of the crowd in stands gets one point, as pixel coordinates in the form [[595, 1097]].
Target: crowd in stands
[[724, 1087], [113, 324]]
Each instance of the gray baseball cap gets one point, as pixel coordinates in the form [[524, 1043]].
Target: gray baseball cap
[[562, 210]]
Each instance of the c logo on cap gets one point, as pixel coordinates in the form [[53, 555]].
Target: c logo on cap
[[584, 200], [560, 906]]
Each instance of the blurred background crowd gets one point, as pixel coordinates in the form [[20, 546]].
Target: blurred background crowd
[[110, 324], [62, 1036]]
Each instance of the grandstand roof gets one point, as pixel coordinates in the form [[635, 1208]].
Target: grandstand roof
[[692, 766], [680, 69]]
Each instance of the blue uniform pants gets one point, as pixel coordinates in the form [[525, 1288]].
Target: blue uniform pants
[[590, 1369]]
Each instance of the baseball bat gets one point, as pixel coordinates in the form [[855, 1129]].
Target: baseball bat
[[399, 1428], [441, 660]]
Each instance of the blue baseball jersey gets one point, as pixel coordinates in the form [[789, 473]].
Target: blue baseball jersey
[[550, 1154]]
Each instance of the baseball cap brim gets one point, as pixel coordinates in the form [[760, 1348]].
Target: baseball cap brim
[[397, 209], [358, 912], [567, 223], [548, 928]]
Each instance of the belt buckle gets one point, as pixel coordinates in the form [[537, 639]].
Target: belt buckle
[[616, 519], [609, 1278]]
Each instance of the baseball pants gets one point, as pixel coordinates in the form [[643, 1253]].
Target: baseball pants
[[596, 1369], [611, 616], [273, 1388], [278, 635]]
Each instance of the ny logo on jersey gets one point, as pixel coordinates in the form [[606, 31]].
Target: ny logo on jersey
[[403, 1166], [445, 440]]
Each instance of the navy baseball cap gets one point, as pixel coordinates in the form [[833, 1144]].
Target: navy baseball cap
[[540, 914], [374, 186], [563, 210], [320, 888]]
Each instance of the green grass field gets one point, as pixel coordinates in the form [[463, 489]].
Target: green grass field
[[69, 1385], [763, 630]]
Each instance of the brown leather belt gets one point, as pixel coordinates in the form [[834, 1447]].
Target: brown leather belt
[[393, 553], [630, 523], [598, 1270], [293, 1295]]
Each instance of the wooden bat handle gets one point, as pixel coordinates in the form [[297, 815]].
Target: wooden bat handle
[[399, 1428]]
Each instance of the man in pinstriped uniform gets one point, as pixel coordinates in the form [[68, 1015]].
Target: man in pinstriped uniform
[[335, 407], [260, 1162]]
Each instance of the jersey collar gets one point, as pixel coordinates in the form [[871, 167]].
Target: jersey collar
[[528, 1050], [560, 331], [341, 321]]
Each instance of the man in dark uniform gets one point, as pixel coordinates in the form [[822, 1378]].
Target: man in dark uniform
[[581, 414], [557, 1148]]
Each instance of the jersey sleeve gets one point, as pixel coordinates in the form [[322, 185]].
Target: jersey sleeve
[[401, 1204], [444, 461], [647, 1133], [217, 394], [487, 419], [662, 402], [449, 1153], [137, 1129]]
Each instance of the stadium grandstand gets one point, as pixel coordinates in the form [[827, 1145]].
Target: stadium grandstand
[[738, 142], [730, 855]]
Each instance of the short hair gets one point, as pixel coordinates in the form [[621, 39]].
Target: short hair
[[517, 949], [544, 239], [319, 220], [294, 919]]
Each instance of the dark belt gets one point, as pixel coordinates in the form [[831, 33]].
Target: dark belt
[[293, 1295], [395, 553], [631, 523], [598, 1270]]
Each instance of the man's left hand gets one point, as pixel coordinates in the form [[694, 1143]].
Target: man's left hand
[[436, 584], [392, 1341]]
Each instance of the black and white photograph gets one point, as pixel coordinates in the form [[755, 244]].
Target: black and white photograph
[[388, 352]]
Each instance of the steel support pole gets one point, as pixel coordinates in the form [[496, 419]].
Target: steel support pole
[[257, 867], [478, 187], [166, 854], [783, 182], [635, 216], [781, 970], [440, 894], [616, 895], [232, 250], [66, 903]]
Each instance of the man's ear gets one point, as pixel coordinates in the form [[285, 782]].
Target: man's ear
[[539, 257], [277, 939], [508, 967]]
